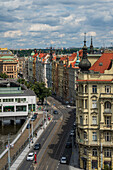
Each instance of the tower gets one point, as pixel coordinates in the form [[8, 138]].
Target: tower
[[84, 63], [91, 47], [51, 55]]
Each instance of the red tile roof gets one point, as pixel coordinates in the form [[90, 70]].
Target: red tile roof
[[72, 57], [103, 63], [80, 53], [95, 80], [63, 58]]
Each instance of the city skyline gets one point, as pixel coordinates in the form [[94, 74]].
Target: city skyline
[[60, 23]]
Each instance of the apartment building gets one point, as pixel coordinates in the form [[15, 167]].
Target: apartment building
[[94, 113]]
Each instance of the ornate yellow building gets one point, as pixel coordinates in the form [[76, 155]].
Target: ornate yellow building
[[94, 112], [8, 63]]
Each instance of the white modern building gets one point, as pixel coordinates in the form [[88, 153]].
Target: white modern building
[[16, 103]]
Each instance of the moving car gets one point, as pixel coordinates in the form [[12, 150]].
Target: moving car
[[55, 112], [37, 146], [30, 156], [63, 160]]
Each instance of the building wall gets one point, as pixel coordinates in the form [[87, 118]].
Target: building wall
[[13, 103], [94, 118]]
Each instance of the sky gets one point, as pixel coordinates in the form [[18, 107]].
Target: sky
[[56, 23]]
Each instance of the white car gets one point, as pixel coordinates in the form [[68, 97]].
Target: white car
[[30, 156], [68, 106], [63, 160]]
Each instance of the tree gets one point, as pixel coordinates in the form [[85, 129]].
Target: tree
[[21, 81], [41, 91], [3, 75], [39, 88]]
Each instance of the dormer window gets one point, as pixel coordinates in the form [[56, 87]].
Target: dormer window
[[107, 89]]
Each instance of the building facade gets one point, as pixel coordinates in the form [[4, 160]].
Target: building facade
[[15, 102], [94, 112]]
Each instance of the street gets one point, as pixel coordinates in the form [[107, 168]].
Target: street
[[53, 140]]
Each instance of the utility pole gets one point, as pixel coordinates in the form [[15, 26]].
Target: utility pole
[[43, 119], [29, 133], [32, 123], [46, 109], [8, 152]]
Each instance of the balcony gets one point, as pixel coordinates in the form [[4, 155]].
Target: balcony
[[106, 95], [81, 94], [107, 111]]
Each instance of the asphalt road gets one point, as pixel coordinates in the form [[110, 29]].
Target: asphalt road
[[53, 140]]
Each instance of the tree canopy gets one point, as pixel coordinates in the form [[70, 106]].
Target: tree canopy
[[38, 87]]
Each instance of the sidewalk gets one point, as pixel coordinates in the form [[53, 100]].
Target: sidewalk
[[18, 161], [74, 160], [21, 141]]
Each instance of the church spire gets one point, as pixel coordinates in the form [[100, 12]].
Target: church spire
[[51, 54], [91, 47], [84, 63]]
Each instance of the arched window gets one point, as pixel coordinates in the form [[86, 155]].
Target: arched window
[[107, 105]]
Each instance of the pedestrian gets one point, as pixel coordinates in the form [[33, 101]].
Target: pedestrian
[[35, 158]]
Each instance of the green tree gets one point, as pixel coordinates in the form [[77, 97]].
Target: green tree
[[41, 91], [21, 81], [3, 75]]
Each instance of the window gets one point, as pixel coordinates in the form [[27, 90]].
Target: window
[[94, 103], [85, 151], [81, 120], [94, 136], [107, 153], [107, 89], [107, 121], [94, 152], [94, 120], [94, 89], [85, 88], [94, 164], [85, 104], [107, 136], [107, 105], [85, 135]]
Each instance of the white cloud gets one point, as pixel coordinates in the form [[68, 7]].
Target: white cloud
[[89, 34], [61, 35], [12, 34], [43, 27]]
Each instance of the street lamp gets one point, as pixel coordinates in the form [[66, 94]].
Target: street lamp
[[8, 152], [29, 131], [32, 124]]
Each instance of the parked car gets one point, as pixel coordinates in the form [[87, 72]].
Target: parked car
[[63, 160], [68, 145], [37, 146], [55, 112], [28, 126], [68, 106], [72, 133], [30, 156], [34, 117]]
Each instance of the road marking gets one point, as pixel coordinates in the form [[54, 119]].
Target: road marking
[[46, 167]]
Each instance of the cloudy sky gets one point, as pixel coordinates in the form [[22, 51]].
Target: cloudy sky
[[60, 23]]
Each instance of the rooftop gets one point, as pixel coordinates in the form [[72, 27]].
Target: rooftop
[[103, 63]]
